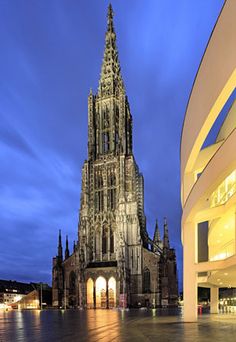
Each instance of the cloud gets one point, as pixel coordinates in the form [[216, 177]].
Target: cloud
[[14, 140], [51, 55]]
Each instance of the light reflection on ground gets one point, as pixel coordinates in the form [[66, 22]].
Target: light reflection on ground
[[113, 325]]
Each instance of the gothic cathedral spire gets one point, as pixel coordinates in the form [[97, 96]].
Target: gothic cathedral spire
[[67, 252], [59, 248], [166, 243], [109, 117], [113, 243], [157, 237], [111, 82]]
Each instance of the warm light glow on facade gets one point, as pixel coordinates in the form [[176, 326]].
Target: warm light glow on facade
[[224, 191], [112, 291], [208, 174], [101, 292], [105, 293], [90, 302], [221, 237]]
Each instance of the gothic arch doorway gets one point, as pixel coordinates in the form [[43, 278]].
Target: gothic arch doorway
[[112, 292], [90, 286], [101, 297]]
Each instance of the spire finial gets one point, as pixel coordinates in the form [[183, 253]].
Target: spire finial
[[110, 79], [59, 248], [110, 15], [157, 237], [59, 238], [67, 252], [166, 243]]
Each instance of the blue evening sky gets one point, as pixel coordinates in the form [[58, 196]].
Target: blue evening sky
[[51, 54]]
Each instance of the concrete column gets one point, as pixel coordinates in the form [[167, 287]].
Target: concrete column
[[108, 243], [235, 232], [107, 295], [94, 294], [214, 300], [190, 277]]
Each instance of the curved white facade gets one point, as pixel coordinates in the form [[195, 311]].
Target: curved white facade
[[208, 175]]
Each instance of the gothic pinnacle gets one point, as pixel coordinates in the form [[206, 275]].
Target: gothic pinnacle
[[67, 253], [166, 243], [156, 237], [110, 15], [59, 238], [110, 78], [59, 248]]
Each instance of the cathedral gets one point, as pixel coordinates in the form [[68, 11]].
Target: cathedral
[[114, 262]]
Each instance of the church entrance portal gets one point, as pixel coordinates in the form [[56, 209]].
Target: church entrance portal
[[112, 292], [100, 288], [103, 294], [90, 301]]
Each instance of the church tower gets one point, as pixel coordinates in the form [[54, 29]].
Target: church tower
[[114, 263], [57, 275], [112, 225]]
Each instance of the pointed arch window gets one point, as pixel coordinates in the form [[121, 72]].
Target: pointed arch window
[[97, 244], [111, 191], [116, 139], [99, 198], [111, 241], [72, 282], [105, 130], [146, 281], [105, 118], [106, 142], [104, 239]]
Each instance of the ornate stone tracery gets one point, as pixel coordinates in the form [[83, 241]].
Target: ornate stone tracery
[[113, 244]]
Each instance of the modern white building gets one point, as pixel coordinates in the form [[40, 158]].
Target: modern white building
[[208, 174]]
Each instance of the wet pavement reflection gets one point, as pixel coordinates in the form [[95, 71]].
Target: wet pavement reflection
[[113, 325]]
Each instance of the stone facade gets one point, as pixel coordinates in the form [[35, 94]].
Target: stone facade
[[114, 262]]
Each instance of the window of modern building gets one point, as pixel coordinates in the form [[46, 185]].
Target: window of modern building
[[215, 129], [224, 191], [203, 241], [221, 238]]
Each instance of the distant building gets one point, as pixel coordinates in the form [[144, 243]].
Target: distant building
[[115, 262], [40, 297], [208, 173], [25, 295], [13, 291]]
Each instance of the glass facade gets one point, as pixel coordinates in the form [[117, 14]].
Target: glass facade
[[221, 238], [224, 191]]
